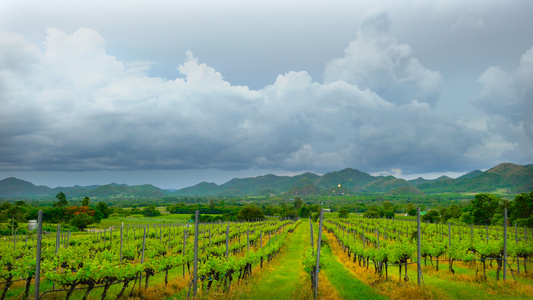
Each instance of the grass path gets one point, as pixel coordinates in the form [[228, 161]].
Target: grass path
[[347, 285], [285, 278]]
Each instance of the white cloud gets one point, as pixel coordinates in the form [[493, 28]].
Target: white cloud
[[72, 106], [375, 60], [507, 99]]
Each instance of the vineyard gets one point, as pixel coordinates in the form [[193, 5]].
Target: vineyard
[[332, 258]]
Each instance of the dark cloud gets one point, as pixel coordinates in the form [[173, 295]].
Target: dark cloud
[[71, 106]]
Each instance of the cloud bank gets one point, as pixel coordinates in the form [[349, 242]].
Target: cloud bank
[[67, 105]]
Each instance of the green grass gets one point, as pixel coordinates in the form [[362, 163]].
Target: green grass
[[346, 284], [140, 219], [284, 281]]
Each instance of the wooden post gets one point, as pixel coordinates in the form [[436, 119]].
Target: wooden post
[[184, 247], [418, 247], [142, 256], [377, 237], [317, 266], [505, 244], [195, 269], [38, 254], [227, 241], [121, 237], [311, 224]]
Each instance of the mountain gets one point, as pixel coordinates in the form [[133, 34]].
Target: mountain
[[508, 178], [384, 184], [405, 190], [503, 178], [13, 187], [17, 188], [471, 175]]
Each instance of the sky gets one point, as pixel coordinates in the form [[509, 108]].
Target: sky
[[173, 93]]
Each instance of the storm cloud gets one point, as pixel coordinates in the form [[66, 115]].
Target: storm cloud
[[66, 104]]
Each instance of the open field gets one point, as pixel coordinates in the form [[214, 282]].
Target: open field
[[266, 260]]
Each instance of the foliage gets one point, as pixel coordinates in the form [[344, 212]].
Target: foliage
[[304, 212], [85, 201], [298, 202], [62, 200], [151, 211], [251, 213], [82, 220], [343, 213], [102, 210], [431, 216], [521, 209], [484, 207]]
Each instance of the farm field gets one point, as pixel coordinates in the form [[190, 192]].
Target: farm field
[[359, 259]]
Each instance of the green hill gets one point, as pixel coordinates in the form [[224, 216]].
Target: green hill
[[504, 178]]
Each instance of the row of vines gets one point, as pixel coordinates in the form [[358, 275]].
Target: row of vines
[[385, 243], [130, 256]]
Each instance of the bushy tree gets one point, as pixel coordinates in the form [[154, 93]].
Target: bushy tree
[[291, 214], [484, 206], [212, 205], [521, 209], [81, 221], [85, 201], [298, 202], [151, 211], [102, 209], [343, 213], [374, 212], [250, 213], [389, 214], [304, 212], [466, 218], [62, 200], [431, 216]]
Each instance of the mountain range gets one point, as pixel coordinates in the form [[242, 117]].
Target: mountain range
[[504, 178]]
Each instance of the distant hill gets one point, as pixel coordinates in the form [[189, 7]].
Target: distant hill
[[17, 188], [508, 178], [405, 190], [504, 178], [13, 187]]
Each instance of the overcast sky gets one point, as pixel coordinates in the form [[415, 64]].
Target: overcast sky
[[177, 92]]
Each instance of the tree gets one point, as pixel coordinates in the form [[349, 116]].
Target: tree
[[251, 212], [343, 213], [211, 205], [62, 200], [412, 212], [72, 211], [431, 216], [291, 214], [81, 221], [101, 211], [304, 212], [466, 217], [521, 209], [484, 207], [389, 214], [374, 212], [85, 201], [298, 203], [17, 213], [151, 211]]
